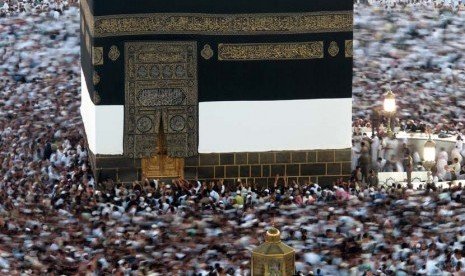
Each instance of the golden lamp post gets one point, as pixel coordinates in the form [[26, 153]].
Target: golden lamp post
[[389, 109], [429, 157], [273, 258]]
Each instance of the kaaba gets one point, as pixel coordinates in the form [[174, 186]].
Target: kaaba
[[215, 89]]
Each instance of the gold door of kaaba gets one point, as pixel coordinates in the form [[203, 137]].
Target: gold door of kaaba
[[161, 165], [161, 105]]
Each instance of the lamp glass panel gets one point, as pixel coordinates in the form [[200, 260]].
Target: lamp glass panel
[[389, 104], [429, 153]]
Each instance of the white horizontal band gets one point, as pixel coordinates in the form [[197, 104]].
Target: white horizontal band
[[275, 125], [238, 126]]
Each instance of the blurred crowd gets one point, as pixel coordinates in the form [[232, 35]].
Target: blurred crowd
[[54, 8], [418, 53], [386, 154], [416, 50], [53, 221], [438, 4], [193, 228], [41, 142]]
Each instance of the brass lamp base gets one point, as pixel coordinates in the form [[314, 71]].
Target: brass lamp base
[[428, 165]]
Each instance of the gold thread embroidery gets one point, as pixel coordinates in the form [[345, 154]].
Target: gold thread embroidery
[[85, 33], [219, 24], [96, 78], [97, 98], [114, 53], [97, 55], [156, 53], [207, 52], [87, 38], [349, 48], [88, 17], [161, 87], [333, 49], [271, 51]]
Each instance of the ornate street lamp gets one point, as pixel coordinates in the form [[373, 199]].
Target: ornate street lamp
[[389, 109], [273, 257], [429, 157]]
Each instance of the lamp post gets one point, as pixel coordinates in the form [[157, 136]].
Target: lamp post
[[429, 157], [389, 109]]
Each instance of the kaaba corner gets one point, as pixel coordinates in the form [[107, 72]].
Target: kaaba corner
[[216, 89]]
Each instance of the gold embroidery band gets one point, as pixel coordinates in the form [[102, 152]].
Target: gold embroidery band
[[271, 51], [349, 48], [238, 24], [87, 15], [217, 24]]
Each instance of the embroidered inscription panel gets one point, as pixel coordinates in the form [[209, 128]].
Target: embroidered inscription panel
[[161, 95]]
